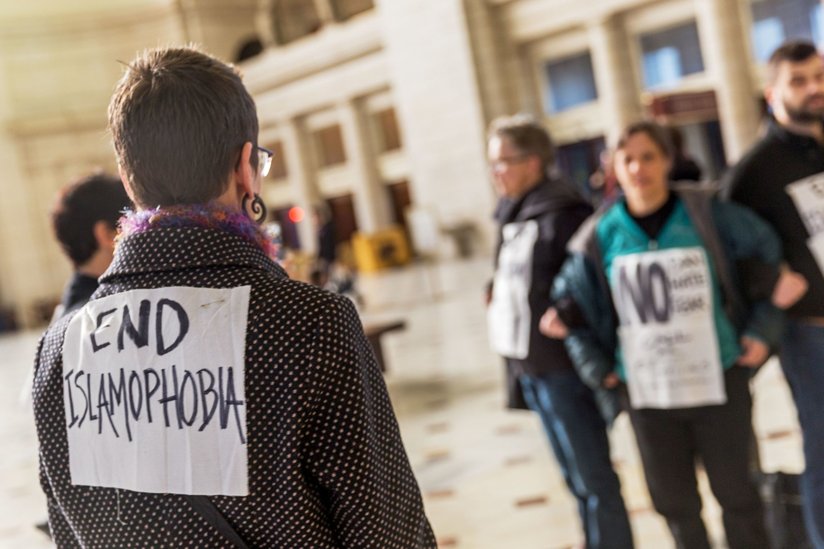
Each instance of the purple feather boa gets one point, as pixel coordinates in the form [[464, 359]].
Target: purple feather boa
[[210, 216]]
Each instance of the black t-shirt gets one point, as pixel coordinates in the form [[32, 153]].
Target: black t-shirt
[[759, 181], [654, 222]]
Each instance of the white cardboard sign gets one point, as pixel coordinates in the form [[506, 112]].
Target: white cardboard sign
[[153, 386], [808, 196], [508, 316], [668, 341]]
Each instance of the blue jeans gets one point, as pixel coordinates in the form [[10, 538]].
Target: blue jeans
[[802, 359], [578, 436]]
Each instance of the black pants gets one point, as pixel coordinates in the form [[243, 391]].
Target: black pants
[[670, 443]]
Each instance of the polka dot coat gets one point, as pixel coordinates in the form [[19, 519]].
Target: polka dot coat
[[327, 467]]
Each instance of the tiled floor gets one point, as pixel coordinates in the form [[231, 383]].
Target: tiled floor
[[487, 476]]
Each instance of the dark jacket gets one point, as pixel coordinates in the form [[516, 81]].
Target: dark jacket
[[759, 181], [728, 232], [78, 291], [559, 210], [326, 465]]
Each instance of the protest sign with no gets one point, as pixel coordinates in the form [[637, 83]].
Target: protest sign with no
[[669, 344]]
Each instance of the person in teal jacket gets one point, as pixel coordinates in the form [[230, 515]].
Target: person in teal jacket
[[661, 322]]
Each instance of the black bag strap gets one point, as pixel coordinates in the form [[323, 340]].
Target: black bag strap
[[205, 508]]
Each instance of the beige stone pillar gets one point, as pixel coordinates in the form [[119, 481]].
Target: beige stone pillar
[[22, 276], [302, 179], [618, 92], [727, 61], [370, 196], [429, 47], [325, 11], [265, 24]]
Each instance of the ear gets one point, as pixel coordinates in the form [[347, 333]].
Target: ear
[[769, 95], [104, 235], [244, 175]]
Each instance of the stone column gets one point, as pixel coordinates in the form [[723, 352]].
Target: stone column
[[301, 175], [370, 196], [325, 11], [23, 277], [728, 61], [428, 46], [265, 24], [618, 92]]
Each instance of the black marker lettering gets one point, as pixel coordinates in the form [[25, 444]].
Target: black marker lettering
[[167, 398], [139, 335], [660, 308], [71, 399], [97, 346], [135, 411], [77, 377], [150, 390], [625, 286], [118, 395], [230, 400], [187, 376], [92, 417], [103, 402], [207, 416], [183, 325]]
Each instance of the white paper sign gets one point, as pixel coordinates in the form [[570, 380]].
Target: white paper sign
[[153, 386], [668, 339], [816, 245], [808, 196], [509, 315]]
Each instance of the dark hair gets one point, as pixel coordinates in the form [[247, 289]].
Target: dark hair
[[527, 134], [179, 118], [793, 51], [80, 205], [654, 131], [676, 137]]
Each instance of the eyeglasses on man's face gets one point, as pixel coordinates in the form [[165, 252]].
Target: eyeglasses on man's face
[[264, 160], [500, 164]]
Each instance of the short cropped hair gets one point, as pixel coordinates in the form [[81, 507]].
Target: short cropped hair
[[793, 51], [527, 134], [80, 205], [654, 131], [178, 119]]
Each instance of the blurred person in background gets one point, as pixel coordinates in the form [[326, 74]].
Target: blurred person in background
[[327, 243], [684, 167], [537, 214], [84, 221], [661, 321], [782, 179]]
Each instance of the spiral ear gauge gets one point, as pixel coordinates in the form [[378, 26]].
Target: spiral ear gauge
[[254, 208]]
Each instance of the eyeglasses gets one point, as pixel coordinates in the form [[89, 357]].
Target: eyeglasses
[[501, 163], [264, 160]]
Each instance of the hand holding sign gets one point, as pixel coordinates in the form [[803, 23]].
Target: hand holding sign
[[754, 352]]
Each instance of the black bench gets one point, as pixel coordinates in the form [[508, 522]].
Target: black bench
[[375, 330]]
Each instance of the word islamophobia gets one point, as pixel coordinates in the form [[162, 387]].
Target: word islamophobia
[[123, 397]]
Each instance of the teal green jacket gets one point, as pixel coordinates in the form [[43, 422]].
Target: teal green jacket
[[728, 233]]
